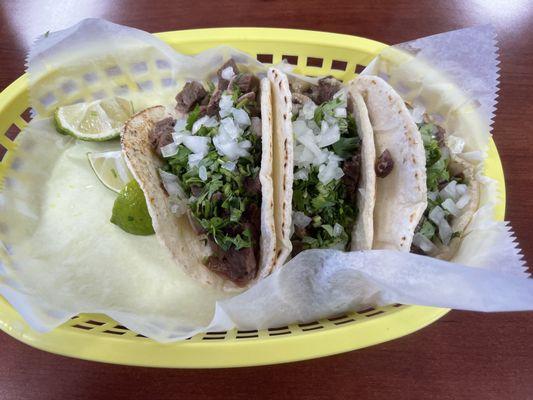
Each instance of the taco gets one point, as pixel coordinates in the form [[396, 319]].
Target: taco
[[426, 201], [401, 194], [206, 171], [452, 193], [323, 166]]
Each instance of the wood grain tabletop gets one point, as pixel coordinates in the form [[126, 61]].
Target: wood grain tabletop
[[465, 355]]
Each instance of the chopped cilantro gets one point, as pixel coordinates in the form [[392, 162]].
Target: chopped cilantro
[[326, 108], [218, 203], [427, 229], [193, 117], [437, 174], [328, 204]]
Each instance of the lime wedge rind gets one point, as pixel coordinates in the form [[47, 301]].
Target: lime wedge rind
[[110, 169], [97, 121]]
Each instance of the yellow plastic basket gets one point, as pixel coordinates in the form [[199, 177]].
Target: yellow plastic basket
[[97, 337]]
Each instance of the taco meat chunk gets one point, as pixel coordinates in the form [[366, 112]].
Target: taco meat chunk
[[161, 135], [327, 87], [191, 94]]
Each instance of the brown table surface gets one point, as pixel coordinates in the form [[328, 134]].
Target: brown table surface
[[464, 355]]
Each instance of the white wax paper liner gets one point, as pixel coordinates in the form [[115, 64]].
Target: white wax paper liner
[[54, 268]]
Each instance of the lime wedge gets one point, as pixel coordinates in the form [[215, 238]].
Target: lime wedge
[[95, 121], [111, 169], [130, 212]]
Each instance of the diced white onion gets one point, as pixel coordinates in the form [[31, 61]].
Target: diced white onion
[[197, 144], [451, 207], [202, 173], [256, 126], [225, 105], [330, 136], [206, 121], [340, 112], [303, 157], [245, 144], [180, 125], [241, 117], [308, 110], [423, 243], [300, 219], [463, 201], [449, 191], [198, 124], [171, 185], [227, 73], [445, 231], [437, 214], [169, 150], [312, 141], [194, 159], [308, 140], [330, 119], [228, 127], [337, 230], [456, 144], [229, 165], [227, 147], [299, 127], [324, 126], [301, 174], [178, 206], [473, 156], [331, 170], [461, 189], [178, 137]]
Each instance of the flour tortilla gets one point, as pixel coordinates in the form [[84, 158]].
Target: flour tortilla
[[401, 197], [284, 166], [283, 162], [188, 249], [363, 232]]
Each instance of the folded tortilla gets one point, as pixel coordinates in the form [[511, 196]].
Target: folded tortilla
[[188, 249], [401, 196]]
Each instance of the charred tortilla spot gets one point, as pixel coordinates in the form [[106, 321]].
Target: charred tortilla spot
[[285, 97], [279, 84], [384, 164], [284, 116]]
